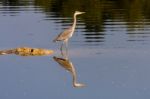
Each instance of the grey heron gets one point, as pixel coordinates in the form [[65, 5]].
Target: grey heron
[[66, 34]]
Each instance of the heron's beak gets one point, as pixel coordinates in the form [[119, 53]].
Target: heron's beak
[[83, 12]]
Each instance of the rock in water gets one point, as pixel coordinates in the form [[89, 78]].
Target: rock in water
[[26, 51]]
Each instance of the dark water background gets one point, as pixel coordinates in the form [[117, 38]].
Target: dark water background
[[110, 49]]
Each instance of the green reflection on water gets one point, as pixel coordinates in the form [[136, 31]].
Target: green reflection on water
[[98, 11], [101, 15]]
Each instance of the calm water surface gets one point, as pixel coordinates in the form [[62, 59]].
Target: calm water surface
[[110, 49]]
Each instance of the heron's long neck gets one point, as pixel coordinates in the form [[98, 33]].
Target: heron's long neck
[[73, 73], [74, 21], [74, 79]]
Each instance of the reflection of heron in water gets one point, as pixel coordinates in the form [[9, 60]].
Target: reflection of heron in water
[[67, 64], [65, 35]]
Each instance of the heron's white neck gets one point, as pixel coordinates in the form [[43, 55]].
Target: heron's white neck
[[74, 21], [75, 84]]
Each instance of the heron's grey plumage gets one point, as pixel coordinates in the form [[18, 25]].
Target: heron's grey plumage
[[62, 36], [66, 34]]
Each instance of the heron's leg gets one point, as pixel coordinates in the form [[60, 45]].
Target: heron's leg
[[66, 46], [61, 49]]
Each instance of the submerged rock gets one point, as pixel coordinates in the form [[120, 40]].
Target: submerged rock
[[26, 51]]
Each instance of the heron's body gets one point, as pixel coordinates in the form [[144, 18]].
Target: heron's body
[[66, 34]]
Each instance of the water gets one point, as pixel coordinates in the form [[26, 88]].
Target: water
[[109, 50]]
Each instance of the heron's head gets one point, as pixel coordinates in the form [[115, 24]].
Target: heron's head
[[78, 12], [78, 85]]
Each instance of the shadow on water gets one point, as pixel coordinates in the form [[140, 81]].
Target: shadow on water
[[66, 63]]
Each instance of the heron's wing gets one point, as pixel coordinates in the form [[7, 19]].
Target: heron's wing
[[64, 35], [65, 63]]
